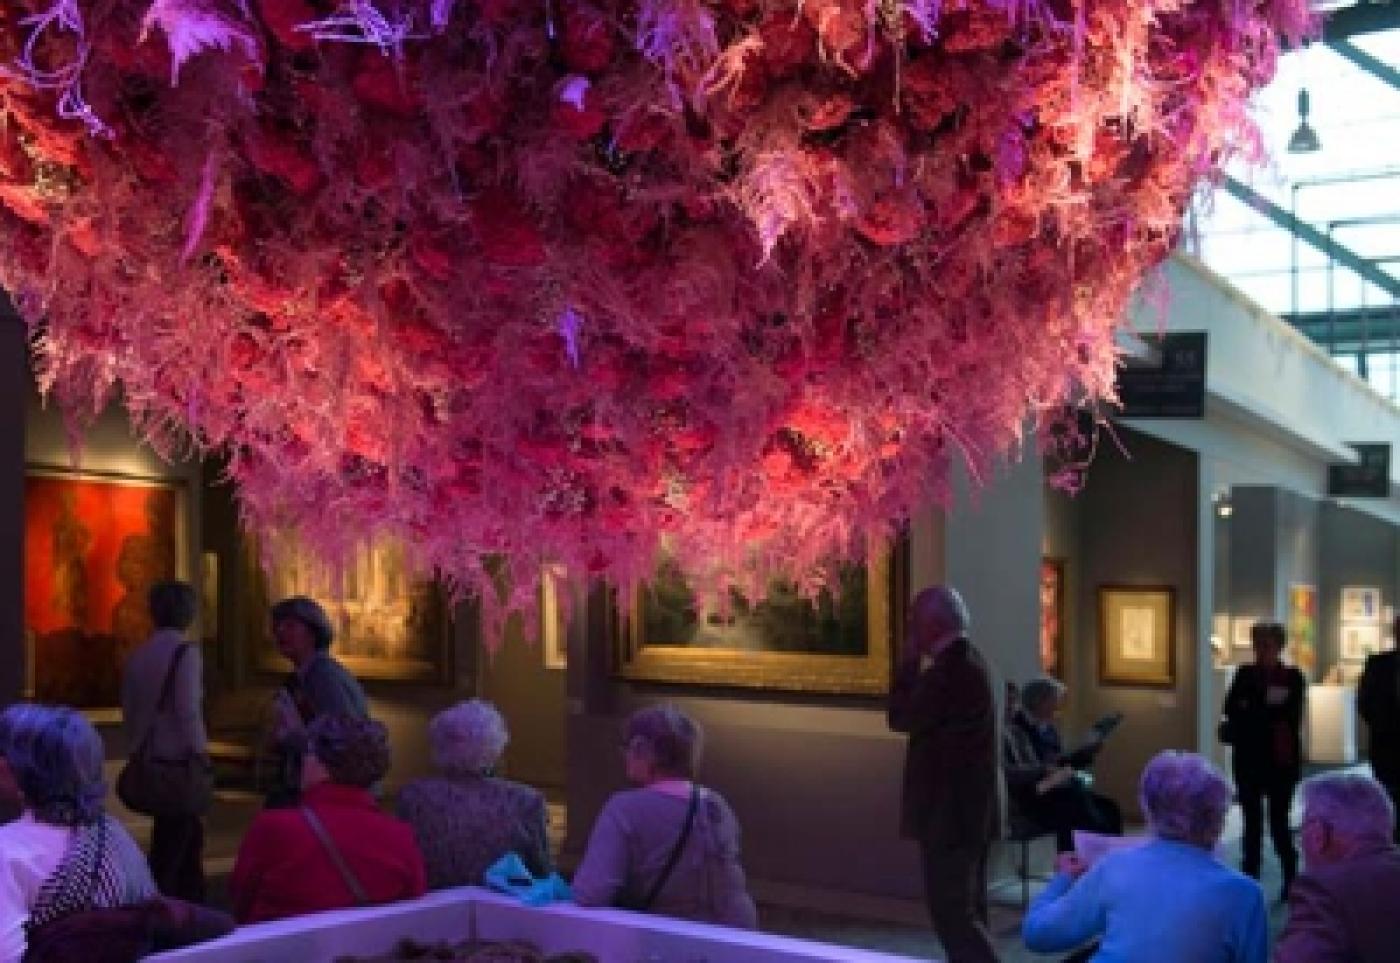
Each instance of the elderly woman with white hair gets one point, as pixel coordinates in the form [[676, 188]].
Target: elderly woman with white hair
[[467, 818], [1167, 901], [64, 854], [670, 846]]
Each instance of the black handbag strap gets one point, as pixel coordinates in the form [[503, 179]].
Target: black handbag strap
[[164, 696], [333, 851], [676, 851]]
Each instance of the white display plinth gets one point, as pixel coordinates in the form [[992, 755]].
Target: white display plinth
[[613, 936], [1332, 724]]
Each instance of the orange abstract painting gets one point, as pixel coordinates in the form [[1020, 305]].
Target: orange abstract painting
[[93, 548]]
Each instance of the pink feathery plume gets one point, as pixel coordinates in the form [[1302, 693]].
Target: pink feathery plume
[[66, 79], [678, 36], [777, 195], [360, 21], [440, 13], [198, 217], [193, 26]]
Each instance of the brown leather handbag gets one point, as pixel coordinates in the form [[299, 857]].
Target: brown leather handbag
[[166, 787]]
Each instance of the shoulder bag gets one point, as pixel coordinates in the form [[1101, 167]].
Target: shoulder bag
[[333, 851], [646, 902], [166, 787]]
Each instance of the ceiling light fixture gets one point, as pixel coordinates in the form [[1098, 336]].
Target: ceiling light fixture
[[1304, 139]]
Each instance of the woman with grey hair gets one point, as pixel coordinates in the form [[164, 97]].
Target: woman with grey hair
[[336, 849], [64, 854], [1056, 795], [1165, 901], [466, 817], [670, 846]]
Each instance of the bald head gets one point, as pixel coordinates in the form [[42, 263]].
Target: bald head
[[937, 617]]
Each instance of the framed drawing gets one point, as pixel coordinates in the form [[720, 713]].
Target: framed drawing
[[837, 643], [94, 544], [1359, 640], [1137, 636], [1052, 615], [1361, 604], [390, 624]]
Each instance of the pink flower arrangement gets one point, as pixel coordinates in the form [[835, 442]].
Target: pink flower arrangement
[[561, 281]]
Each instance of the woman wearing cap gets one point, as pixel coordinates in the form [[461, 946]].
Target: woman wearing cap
[[317, 686]]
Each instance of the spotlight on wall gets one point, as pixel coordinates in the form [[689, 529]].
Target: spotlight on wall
[[1304, 139]]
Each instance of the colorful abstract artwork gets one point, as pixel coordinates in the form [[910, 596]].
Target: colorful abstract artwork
[[1302, 627], [93, 547]]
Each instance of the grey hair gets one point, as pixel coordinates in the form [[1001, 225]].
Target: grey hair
[[1185, 798], [671, 738], [468, 738], [56, 757], [942, 606], [172, 605], [354, 750], [1041, 690], [1352, 803]]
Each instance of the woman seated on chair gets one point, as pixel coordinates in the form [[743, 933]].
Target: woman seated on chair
[[336, 849], [1166, 901], [1041, 779], [64, 854], [467, 818], [671, 846]]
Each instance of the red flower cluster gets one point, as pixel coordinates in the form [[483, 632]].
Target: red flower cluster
[[556, 280]]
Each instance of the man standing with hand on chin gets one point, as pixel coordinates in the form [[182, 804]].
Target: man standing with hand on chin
[[944, 699]]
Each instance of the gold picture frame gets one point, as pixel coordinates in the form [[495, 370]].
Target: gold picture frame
[[1137, 636], [391, 625], [94, 544], [867, 673]]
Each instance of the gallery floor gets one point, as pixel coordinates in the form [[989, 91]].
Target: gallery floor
[[233, 810]]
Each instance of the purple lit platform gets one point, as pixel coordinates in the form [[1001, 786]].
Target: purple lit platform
[[614, 936]]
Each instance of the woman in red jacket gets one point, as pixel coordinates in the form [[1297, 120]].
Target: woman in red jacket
[[336, 850]]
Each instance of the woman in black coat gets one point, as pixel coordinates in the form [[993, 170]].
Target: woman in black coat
[[1263, 717]]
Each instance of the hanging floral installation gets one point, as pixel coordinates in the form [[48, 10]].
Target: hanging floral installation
[[529, 281]]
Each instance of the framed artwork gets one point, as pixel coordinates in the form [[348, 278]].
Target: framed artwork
[[1052, 615], [1359, 640], [838, 642], [1361, 604], [1137, 636], [553, 628], [1302, 627], [390, 623], [94, 544]]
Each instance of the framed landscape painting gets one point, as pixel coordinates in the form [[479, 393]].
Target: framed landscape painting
[[1137, 636], [94, 544], [838, 642]]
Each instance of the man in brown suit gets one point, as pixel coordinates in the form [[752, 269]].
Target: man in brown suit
[[943, 698], [1345, 906]]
